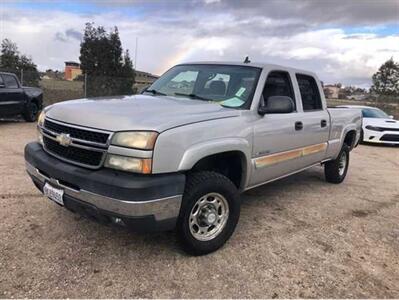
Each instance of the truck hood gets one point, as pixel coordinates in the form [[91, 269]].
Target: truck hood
[[32, 91], [138, 112]]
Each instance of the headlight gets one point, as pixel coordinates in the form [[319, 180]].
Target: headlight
[[374, 128], [130, 164], [135, 139], [40, 120], [40, 123]]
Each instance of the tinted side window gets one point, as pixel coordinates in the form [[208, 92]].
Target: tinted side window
[[309, 92], [278, 83], [10, 82]]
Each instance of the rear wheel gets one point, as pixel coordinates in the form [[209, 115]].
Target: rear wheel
[[209, 213], [335, 170], [31, 113]]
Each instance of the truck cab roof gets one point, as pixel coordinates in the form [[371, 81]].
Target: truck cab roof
[[261, 65]]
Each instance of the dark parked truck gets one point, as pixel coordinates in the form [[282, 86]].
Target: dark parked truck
[[16, 99], [179, 155]]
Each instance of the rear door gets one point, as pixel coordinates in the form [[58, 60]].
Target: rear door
[[314, 118], [12, 96]]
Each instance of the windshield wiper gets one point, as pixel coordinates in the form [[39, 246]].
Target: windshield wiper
[[193, 96], [155, 92]]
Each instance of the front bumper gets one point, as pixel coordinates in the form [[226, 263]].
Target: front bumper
[[382, 137], [144, 202]]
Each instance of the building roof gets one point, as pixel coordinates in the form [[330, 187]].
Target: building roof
[[72, 63]]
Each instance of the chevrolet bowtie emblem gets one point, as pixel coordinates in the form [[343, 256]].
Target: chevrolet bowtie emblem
[[64, 139]]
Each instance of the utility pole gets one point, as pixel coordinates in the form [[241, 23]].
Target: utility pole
[[135, 54]]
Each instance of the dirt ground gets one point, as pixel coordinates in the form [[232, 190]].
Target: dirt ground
[[298, 237]]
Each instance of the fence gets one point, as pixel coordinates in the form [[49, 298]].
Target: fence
[[56, 88]]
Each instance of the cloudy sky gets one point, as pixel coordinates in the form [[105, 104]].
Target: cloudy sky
[[343, 41]]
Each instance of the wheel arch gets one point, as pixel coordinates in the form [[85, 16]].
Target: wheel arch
[[233, 154]]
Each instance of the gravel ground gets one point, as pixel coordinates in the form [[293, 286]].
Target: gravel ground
[[298, 237]]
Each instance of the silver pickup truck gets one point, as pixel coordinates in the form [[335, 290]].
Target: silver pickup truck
[[179, 154]]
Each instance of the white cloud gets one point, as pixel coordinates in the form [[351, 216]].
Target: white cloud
[[334, 55]]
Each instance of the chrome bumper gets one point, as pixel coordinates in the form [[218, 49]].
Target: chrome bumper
[[161, 209]]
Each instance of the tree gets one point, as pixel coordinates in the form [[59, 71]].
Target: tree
[[11, 61], [108, 71], [386, 80]]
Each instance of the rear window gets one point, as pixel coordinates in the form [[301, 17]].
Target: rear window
[[309, 92], [10, 81]]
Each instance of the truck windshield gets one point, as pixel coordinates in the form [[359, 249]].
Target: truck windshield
[[228, 85]]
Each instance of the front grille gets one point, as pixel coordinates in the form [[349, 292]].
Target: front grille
[[390, 138], [73, 154], [82, 134]]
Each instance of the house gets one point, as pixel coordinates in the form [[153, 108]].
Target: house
[[143, 79], [332, 91], [72, 70]]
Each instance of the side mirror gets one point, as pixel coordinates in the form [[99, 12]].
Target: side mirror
[[277, 105], [144, 90], [391, 117], [2, 86]]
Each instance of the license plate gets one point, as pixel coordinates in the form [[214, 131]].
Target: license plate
[[53, 193]]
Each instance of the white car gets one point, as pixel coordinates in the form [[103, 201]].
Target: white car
[[377, 126]]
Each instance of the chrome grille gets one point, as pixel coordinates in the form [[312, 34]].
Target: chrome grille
[[85, 147], [82, 134]]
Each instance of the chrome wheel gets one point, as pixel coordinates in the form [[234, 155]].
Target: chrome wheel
[[208, 217], [342, 164]]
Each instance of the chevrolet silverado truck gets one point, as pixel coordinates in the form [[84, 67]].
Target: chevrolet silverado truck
[[178, 155], [16, 99]]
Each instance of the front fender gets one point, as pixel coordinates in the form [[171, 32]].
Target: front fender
[[199, 151]]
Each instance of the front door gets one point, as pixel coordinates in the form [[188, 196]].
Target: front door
[[278, 138]]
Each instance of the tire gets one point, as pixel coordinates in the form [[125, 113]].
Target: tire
[[208, 196], [31, 113], [335, 170]]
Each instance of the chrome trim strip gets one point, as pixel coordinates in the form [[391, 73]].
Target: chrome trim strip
[[129, 152], [162, 209], [10, 102], [275, 158]]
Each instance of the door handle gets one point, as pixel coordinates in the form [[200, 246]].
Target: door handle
[[298, 125], [323, 123]]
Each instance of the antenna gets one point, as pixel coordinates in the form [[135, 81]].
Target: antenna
[[246, 60]]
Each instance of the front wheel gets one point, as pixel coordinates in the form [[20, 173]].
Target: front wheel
[[31, 113], [209, 213], [335, 170]]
